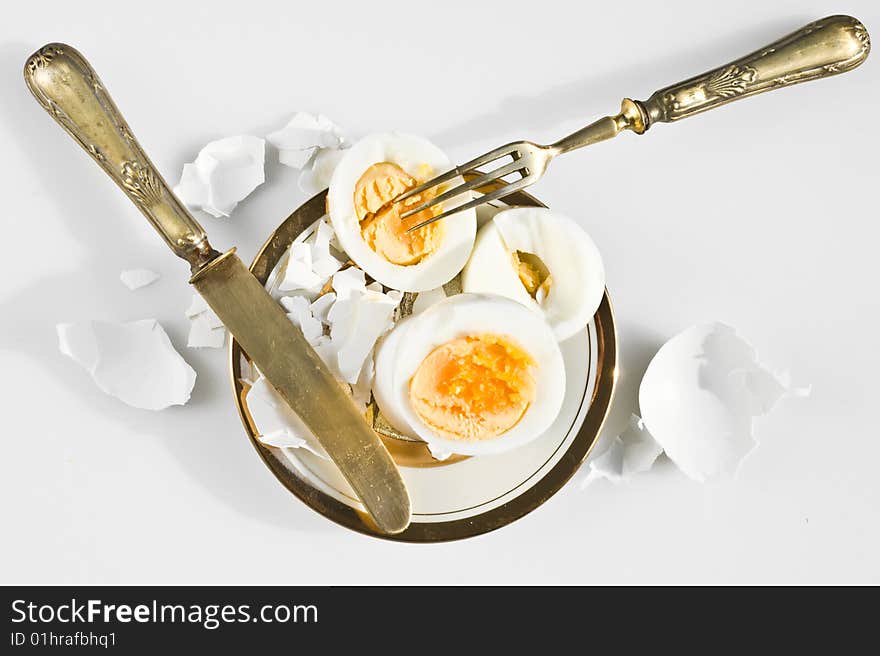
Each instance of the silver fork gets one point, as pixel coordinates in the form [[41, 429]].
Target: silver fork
[[823, 48]]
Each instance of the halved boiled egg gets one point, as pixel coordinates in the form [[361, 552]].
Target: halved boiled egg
[[370, 175], [473, 374], [542, 259]]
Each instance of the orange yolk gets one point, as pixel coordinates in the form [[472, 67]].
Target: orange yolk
[[473, 388], [381, 226]]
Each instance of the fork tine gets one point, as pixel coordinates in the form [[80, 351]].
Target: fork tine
[[485, 158], [433, 182], [476, 202], [476, 183]]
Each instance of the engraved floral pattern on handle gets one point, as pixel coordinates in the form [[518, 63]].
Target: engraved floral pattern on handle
[[141, 183], [43, 57], [730, 81]]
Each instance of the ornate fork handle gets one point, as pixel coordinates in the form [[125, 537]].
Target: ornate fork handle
[[69, 89], [826, 47]]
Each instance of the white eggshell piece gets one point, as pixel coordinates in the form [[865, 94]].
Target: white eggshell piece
[[135, 362], [277, 425], [323, 263], [203, 334], [303, 135], [223, 174], [317, 174], [137, 278], [349, 281], [576, 269], [700, 394], [300, 313], [474, 314], [410, 153], [426, 299], [629, 453], [298, 273], [196, 306], [362, 388], [320, 308], [356, 323]]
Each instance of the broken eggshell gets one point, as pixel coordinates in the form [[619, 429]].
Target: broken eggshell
[[631, 452], [135, 362], [303, 136], [700, 395], [277, 424], [223, 174], [205, 328], [316, 176]]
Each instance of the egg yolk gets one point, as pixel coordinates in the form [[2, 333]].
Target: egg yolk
[[473, 388], [533, 273], [380, 223]]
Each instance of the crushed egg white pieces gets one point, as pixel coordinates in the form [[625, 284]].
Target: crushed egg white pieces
[[205, 328], [342, 325], [310, 263], [135, 361], [223, 174]]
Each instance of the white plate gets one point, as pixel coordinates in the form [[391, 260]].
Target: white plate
[[467, 496]]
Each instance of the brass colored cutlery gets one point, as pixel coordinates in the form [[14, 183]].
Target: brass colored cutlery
[[65, 85], [823, 48]]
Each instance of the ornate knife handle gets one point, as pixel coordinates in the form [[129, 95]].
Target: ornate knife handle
[[826, 47], [68, 88]]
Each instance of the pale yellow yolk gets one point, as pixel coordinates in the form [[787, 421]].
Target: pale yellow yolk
[[533, 273], [381, 226], [473, 388]]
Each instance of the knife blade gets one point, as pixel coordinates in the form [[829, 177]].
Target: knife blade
[[68, 88]]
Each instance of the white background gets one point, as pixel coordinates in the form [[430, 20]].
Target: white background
[[763, 214]]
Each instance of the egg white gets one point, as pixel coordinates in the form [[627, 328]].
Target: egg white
[[473, 314], [571, 256], [384, 392], [409, 152]]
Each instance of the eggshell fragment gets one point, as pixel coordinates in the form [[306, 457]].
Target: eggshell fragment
[[700, 395], [631, 452], [426, 299], [300, 313], [205, 328], [137, 278], [277, 424], [357, 320], [298, 273], [323, 263], [223, 174], [316, 176], [320, 308], [135, 362], [203, 335], [303, 135], [349, 281]]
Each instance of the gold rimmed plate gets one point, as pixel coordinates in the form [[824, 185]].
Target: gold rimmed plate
[[461, 497]]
